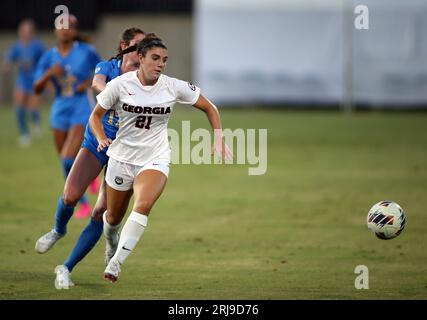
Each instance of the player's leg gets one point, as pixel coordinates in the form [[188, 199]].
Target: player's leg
[[101, 201], [59, 137], [119, 179], [117, 203], [87, 240], [80, 114], [91, 234], [84, 169], [71, 147], [100, 209], [20, 101], [58, 123], [93, 231], [148, 186], [34, 109], [68, 154]]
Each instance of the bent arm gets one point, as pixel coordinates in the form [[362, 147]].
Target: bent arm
[[95, 122], [211, 112], [40, 84], [219, 147], [82, 87], [99, 82]]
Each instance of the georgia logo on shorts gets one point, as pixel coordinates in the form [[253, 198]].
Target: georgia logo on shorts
[[118, 180], [192, 86]]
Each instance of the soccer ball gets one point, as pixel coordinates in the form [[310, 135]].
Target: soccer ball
[[386, 219]]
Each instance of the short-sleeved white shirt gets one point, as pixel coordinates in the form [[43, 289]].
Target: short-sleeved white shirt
[[144, 114]]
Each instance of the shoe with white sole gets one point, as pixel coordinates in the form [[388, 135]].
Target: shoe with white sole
[[111, 273], [63, 278], [46, 242], [24, 141]]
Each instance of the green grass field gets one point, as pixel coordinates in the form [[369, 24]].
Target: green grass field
[[297, 232]]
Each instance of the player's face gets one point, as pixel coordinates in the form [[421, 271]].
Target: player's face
[[154, 62], [132, 57], [69, 34], [64, 35], [25, 31]]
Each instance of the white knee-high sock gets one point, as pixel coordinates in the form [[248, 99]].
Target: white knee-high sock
[[130, 235], [110, 232]]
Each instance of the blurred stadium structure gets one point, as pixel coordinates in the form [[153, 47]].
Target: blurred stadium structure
[[281, 52], [296, 51]]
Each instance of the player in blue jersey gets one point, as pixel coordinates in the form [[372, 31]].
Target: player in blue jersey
[[89, 163], [25, 54], [69, 67]]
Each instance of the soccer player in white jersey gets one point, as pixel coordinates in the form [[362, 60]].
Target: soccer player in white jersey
[[140, 154]]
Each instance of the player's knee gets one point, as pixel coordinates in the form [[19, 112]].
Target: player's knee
[[143, 206], [71, 196], [97, 213], [113, 219]]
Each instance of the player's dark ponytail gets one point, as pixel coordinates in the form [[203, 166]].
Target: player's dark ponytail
[[126, 38], [123, 52], [150, 41]]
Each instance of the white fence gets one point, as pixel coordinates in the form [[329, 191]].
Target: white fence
[[296, 51]]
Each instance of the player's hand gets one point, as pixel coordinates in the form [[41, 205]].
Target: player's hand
[[221, 149], [82, 87], [104, 143], [56, 71]]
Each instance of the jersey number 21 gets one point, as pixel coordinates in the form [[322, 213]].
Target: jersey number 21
[[140, 122]]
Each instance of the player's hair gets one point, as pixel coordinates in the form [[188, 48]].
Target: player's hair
[[151, 40], [29, 21], [73, 22], [128, 35], [126, 38]]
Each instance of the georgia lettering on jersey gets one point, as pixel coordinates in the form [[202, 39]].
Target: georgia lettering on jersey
[[144, 114]]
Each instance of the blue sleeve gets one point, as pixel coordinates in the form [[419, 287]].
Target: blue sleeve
[[42, 65], [12, 55], [104, 68]]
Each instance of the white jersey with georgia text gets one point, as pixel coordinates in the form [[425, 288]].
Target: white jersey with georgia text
[[143, 113]]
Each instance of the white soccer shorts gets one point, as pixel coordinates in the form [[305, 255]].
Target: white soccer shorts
[[120, 175]]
